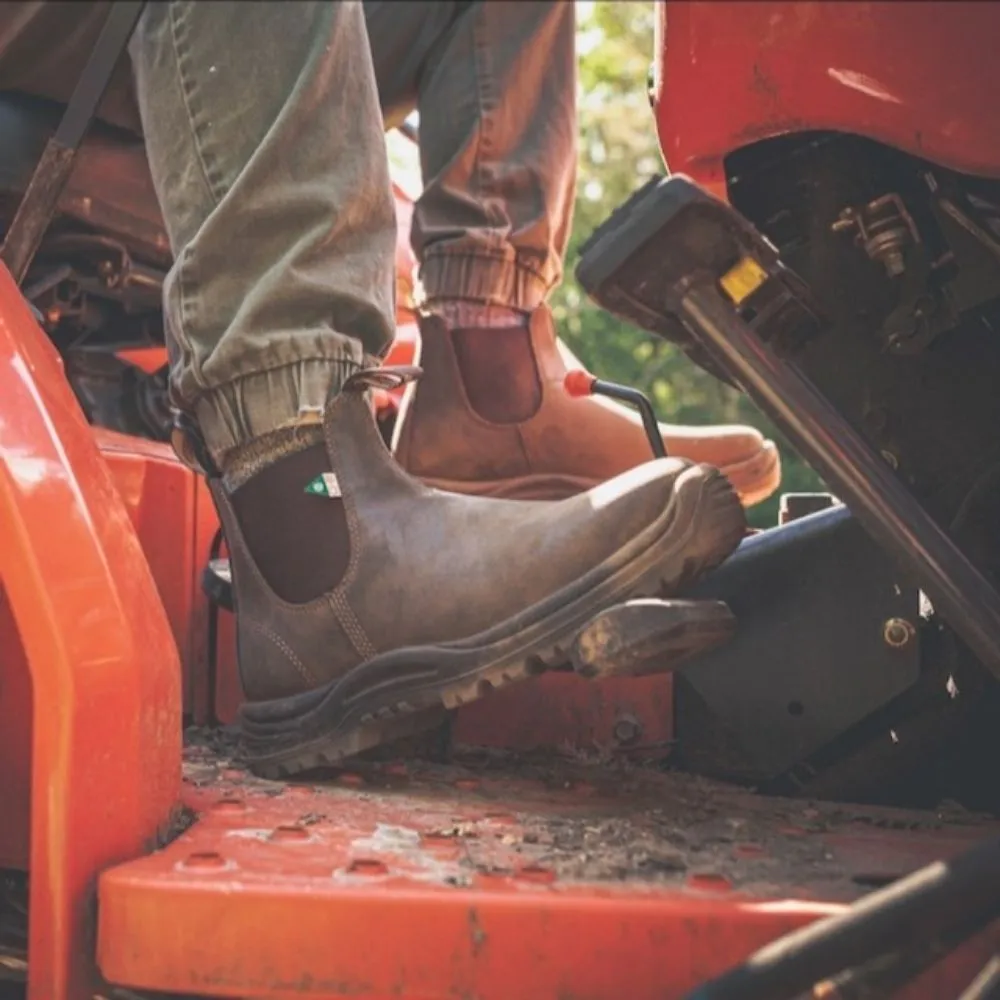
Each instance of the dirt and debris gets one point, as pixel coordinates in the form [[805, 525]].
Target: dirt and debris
[[611, 821], [181, 818]]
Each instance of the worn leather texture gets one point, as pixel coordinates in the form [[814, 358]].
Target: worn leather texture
[[426, 567], [569, 444]]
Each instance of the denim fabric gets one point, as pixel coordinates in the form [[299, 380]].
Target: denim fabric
[[495, 85], [265, 143]]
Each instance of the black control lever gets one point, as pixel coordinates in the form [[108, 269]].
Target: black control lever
[[720, 285], [581, 383]]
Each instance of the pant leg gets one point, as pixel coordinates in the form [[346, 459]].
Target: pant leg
[[266, 148], [495, 84]]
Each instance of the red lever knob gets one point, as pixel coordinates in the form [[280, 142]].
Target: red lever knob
[[579, 382]]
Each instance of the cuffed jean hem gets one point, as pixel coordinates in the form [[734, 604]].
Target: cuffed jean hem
[[490, 279], [237, 412]]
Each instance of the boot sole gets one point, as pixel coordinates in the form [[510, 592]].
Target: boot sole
[[406, 690], [754, 477]]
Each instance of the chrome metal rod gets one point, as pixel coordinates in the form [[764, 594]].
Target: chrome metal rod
[[854, 471]]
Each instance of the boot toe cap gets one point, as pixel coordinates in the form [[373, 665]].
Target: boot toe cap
[[720, 445], [650, 500], [634, 499], [749, 460]]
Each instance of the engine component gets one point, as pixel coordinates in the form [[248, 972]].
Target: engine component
[[912, 363], [884, 229]]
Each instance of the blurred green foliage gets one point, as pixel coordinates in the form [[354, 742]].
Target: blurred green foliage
[[619, 153]]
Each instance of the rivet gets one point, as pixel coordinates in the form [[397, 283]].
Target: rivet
[[493, 878], [535, 873], [229, 806], [287, 833], [367, 866], [204, 859], [709, 882], [436, 840], [500, 818]]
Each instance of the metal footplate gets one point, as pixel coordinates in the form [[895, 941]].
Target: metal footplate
[[686, 266]]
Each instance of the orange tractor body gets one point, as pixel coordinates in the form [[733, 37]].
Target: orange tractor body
[[514, 869]]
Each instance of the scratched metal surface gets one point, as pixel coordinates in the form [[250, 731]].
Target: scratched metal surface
[[573, 822], [491, 877]]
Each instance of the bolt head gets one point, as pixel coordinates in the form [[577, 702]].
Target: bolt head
[[898, 632], [627, 729], [894, 263], [205, 860]]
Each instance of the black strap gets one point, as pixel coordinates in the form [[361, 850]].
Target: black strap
[[41, 197]]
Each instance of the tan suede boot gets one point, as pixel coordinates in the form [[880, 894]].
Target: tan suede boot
[[433, 599], [567, 445]]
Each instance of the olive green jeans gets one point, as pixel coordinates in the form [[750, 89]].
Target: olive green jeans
[[264, 128]]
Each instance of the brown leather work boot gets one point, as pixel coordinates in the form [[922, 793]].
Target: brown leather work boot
[[421, 599], [562, 446]]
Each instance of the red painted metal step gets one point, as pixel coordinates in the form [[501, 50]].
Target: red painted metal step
[[502, 878]]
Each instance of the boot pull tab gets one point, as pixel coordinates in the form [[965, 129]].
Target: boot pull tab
[[387, 378]]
